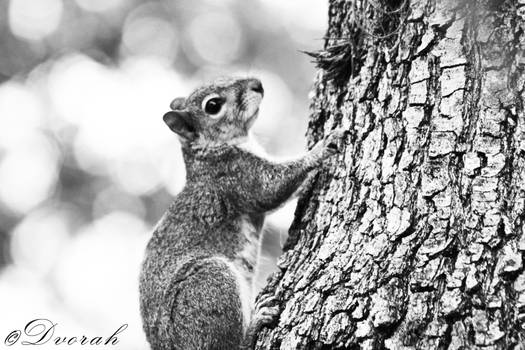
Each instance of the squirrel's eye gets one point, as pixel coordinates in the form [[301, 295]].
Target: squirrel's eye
[[212, 105]]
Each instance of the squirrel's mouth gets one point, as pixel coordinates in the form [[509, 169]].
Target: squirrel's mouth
[[252, 102], [251, 118]]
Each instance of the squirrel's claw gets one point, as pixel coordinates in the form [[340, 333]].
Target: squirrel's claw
[[333, 141], [326, 148], [267, 315], [264, 312]]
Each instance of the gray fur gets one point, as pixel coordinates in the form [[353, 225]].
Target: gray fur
[[189, 296]]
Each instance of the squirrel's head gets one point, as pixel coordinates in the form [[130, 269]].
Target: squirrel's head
[[216, 114]]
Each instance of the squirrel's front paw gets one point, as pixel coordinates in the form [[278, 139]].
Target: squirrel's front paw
[[332, 144], [326, 148]]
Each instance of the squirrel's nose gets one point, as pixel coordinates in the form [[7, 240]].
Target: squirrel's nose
[[256, 85]]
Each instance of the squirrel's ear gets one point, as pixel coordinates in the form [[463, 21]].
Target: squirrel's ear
[[180, 122], [177, 103]]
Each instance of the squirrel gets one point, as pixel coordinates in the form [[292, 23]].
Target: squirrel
[[196, 283]]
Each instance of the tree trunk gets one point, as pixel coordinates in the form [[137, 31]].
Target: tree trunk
[[413, 237]]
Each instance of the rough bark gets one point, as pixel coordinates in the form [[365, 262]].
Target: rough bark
[[413, 238]]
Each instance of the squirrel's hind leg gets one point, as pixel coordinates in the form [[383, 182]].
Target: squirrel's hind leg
[[265, 313], [207, 312]]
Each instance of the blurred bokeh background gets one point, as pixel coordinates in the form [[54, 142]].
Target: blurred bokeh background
[[86, 164]]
